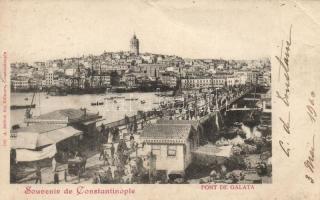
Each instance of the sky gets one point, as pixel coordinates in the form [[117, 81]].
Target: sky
[[42, 30]]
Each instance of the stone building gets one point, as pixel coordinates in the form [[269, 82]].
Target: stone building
[[134, 45]]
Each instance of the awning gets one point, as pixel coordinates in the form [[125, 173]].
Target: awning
[[62, 134], [32, 140], [25, 155], [25, 140]]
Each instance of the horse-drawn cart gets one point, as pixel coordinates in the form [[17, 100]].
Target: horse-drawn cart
[[76, 166]]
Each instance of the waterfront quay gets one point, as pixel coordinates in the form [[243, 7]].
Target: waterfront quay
[[192, 138]]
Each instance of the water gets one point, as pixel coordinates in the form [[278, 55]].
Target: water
[[110, 111], [233, 117], [250, 133]]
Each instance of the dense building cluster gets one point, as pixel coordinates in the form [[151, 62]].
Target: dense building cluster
[[131, 69]]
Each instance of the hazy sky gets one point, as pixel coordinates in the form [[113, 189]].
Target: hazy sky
[[40, 30]]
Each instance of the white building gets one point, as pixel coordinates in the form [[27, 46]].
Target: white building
[[115, 67], [49, 78], [171, 144], [70, 71], [148, 58], [253, 76], [232, 80], [218, 81], [20, 84], [242, 75], [196, 83]]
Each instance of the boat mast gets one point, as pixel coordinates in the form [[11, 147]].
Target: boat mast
[[28, 114], [39, 103], [78, 75], [91, 72], [100, 81]]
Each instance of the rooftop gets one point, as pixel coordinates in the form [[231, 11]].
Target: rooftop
[[39, 135], [66, 116], [39, 128], [167, 131]]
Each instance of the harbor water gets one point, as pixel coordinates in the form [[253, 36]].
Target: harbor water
[[111, 110]]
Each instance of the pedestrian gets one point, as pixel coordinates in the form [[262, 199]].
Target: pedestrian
[[112, 149], [109, 175], [76, 154], [101, 152], [223, 171], [127, 121], [107, 134], [117, 176], [65, 175], [213, 175], [105, 157], [144, 117], [132, 145], [96, 178], [38, 175], [84, 159], [121, 136], [131, 137], [79, 174], [56, 178], [103, 128], [117, 134], [54, 164]]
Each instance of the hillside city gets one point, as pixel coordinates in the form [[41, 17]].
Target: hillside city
[[134, 71]]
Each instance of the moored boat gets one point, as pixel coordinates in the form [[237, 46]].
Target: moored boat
[[132, 99], [97, 103], [16, 107]]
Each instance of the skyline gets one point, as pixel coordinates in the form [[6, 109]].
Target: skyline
[[201, 30]]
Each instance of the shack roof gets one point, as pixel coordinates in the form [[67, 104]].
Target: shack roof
[[39, 135], [65, 116], [39, 128], [167, 133]]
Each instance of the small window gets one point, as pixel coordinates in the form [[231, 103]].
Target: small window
[[156, 149], [172, 150]]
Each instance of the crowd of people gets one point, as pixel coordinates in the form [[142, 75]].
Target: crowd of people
[[120, 163]]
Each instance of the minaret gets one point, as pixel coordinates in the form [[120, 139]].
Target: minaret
[[134, 45]]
